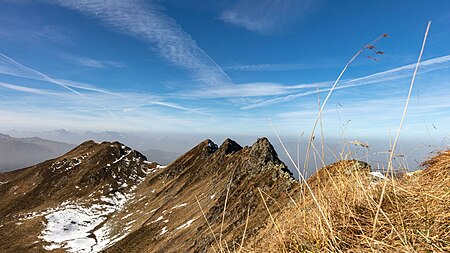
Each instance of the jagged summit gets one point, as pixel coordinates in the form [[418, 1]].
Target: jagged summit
[[229, 146]]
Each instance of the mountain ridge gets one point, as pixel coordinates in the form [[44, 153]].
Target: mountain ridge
[[129, 198]]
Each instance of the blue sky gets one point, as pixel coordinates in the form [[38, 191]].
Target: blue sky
[[223, 67]]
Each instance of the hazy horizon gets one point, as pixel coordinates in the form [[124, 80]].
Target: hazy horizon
[[410, 153]]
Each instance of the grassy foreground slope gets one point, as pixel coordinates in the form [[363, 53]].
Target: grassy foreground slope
[[356, 212]]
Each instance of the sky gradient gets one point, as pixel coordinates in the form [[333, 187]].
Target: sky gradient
[[223, 67]]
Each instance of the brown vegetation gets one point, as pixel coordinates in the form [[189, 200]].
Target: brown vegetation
[[414, 215]]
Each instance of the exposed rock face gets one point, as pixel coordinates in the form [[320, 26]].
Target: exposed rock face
[[108, 197]]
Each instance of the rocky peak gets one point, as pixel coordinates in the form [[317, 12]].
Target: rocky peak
[[229, 146], [263, 150], [204, 148]]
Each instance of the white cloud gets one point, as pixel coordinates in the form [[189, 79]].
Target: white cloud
[[11, 67], [266, 16], [93, 63], [147, 22], [31, 30], [25, 89], [269, 67], [260, 89], [381, 77], [290, 92], [107, 100]]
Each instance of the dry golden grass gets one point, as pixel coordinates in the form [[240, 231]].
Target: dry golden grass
[[414, 214]]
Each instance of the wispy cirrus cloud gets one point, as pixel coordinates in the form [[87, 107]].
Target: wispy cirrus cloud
[[15, 28], [117, 102], [289, 92], [258, 89], [92, 63], [381, 77], [11, 67], [268, 67], [147, 103], [109, 99], [147, 21], [266, 16], [25, 89]]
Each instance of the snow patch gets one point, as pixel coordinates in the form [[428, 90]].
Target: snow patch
[[163, 231], [131, 222], [159, 218], [77, 227], [126, 216], [122, 157], [377, 174], [178, 206], [185, 225]]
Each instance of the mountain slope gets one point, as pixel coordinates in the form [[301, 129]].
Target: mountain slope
[[108, 197], [204, 173], [70, 202]]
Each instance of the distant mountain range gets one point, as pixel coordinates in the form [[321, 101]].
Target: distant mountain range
[[16, 153], [106, 197], [147, 141], [160, 157]]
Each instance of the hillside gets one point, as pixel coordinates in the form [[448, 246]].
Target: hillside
[[68, 201], [350, 209], [105, 196]]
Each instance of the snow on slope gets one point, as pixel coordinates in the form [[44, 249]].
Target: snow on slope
[[79, 228], [83, 226]]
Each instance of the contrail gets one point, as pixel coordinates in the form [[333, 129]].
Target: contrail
[[41, 76]]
